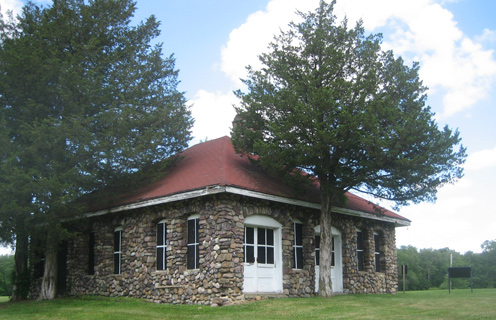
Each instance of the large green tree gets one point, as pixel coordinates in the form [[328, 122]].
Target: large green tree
[[327, 100], [86, 101]]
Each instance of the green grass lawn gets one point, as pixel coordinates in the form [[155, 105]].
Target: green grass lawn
[[436, 304]]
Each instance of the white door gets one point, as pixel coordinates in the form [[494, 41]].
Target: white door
[[263, 261], [336, 260]]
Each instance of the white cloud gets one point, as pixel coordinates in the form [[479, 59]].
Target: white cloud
[[457, 66], [213, 114], [454, 221], [483, 159], [14, 5], [451, 63], [487, 36], [251, 39]]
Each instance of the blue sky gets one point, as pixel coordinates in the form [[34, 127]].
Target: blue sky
[[454, 41]]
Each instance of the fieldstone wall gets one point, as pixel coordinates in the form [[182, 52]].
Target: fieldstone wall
[[219, 278], [368, 280]]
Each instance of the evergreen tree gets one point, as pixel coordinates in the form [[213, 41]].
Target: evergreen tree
[[328, 101], [86, 102]]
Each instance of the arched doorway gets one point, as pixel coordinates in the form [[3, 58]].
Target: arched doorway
[[263, 255]]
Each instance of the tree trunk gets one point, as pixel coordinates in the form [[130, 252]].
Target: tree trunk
[[21, 281], [325, 281], [49, 282]]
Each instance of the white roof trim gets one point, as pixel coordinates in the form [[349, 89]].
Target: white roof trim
[[253, 194]]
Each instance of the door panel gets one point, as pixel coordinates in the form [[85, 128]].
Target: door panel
[[261, 273]]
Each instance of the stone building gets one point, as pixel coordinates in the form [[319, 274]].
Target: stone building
[[217, 230]]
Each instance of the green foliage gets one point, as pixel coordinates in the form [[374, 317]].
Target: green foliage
[[328, 101], [86, 102], [484, 272], [6, 274], [415, 278], [428, 268]]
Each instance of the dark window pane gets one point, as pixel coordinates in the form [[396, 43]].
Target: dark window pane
[[295, 258], [249, 254], [197, 229], [160, 234], [317, 241], [197, 257], [117, 263], [270, 255], [317, 250], [377, 241], [192, 231], [160, 259], [191, 257], [250, 235], [359, 240], [270, 237], [261, 236], [299, 257], [261, 255], [332, 252], [193, 247], [117, 241], [360, 260], [378, 262], [298, 236]]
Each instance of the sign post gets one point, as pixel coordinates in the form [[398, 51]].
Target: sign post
[[460, 272]]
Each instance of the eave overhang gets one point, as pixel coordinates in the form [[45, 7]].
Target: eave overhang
[[212, 190]]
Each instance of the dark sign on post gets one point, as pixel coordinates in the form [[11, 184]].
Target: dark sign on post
[[460, 272]]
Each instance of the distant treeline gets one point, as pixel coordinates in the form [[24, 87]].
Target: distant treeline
[[428, 268]]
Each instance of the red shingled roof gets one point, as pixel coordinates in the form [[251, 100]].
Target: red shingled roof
[[215, 163]]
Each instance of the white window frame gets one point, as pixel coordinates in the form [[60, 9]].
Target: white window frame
[[360, 265], [162, 246], [195, 245], [377, 252], [297, 246], [118, 252]]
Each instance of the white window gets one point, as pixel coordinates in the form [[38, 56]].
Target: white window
[[359, 250], [261, 240], [317, 251], [377, 252], [297, 245], [162, 245], [117, 250], [193, 242]]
